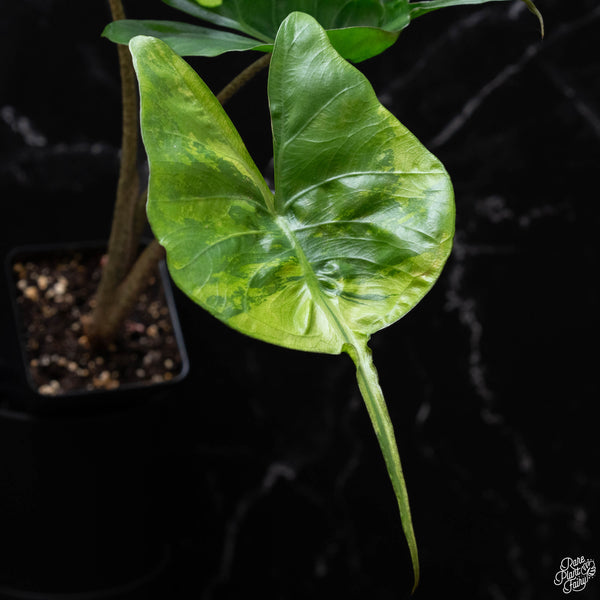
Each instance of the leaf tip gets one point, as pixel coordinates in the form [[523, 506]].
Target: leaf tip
[[533, 8], [145, 43], [417, 578], [106, 31], [138, 41]]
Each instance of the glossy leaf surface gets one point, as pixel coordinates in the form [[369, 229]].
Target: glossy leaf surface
[[418, 9], [361, 218], [357, 231], [262, 18], [184, 39], [358, 30], [355, 44]]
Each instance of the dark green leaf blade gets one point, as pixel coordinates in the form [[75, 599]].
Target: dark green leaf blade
[[182, 38], [358, 30], [263, 17], [360, 43], [227, 15]]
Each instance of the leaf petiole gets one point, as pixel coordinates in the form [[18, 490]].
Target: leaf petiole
[[368, 383]]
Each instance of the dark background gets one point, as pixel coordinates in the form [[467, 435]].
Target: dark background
[[272, 481]]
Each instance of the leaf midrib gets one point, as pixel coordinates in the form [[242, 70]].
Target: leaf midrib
[[348, 336]]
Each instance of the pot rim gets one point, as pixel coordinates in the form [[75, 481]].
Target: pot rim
[[42, 401]]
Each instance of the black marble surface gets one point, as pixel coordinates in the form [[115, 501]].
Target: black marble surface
[[272, 484]]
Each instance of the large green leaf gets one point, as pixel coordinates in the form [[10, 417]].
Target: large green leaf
[[358, 29], [262, 18], [259, 20], [357, 231], [355, 43], [184, 39]]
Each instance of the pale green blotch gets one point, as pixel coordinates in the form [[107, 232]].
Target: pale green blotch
[[210, 3]]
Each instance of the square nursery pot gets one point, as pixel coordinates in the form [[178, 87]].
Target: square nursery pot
[[50, 287], [80, 513]]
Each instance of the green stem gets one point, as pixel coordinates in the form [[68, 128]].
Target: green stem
[[355, 345], [370, 389]]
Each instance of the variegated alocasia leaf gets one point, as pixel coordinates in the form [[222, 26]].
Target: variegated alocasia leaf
[[356, 233], [358, 29]]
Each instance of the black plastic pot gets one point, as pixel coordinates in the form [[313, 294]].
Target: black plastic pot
[[80, 515], [29, 399]]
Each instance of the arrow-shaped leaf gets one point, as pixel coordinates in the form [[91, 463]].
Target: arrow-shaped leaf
[[357, 231]]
